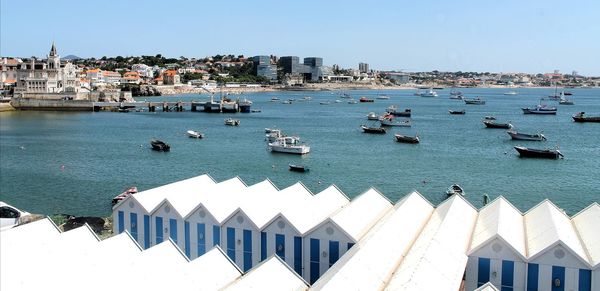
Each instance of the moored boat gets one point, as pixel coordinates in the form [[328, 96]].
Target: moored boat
[[298, 168], [457, 111], [456, 97], [491, 123], [390, 120], [372, 116], [474, 101], [244, 105], [394, 111], [565, 101], [365, 99], [510, 93], [376, 130], [282, 146], [125, 194], [232, 122], [159, 145], [540, 109], [455, 189], [580, 117], [526, 136], [406, 138], [194, 134], [538, 153], [455, 93], [429, 93], [352, 101]]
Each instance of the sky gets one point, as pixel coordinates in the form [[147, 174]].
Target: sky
[[533, 36]]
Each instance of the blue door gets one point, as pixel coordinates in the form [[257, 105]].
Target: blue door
[[247, 250], [263, 246], [314, 259], [558, 278], [159, 230], [280, 245], [201, 239], [298, 255], [483, 271], [134, 225], [533, 271], [186, 235], [508, 275], [231, 243], [146, 231], [173, 229], [216, 235], [334, 252], [121, 222], [585, 280]]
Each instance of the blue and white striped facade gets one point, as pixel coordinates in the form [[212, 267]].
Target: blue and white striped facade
[[540, 250]]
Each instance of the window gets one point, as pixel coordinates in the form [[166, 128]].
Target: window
[[7, 212]]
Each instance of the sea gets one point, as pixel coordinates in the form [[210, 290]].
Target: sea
[[76, 162]]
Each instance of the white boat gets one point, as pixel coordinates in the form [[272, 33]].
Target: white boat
[[194, 134], [455, 189], [324, 102], [338, 101], [429, 93], [352, 101], [281, 145], [306, 98], [274, 99], [526, 136], [287, 102], [510, 93], [564, 101], [232, 122], [269, 130], [383, 97], [389, 120], [474, 101], [372, 116]]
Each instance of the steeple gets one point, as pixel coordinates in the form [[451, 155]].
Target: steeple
[[53, 50]]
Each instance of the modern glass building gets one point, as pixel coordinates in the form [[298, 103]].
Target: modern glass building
[[263, 67]]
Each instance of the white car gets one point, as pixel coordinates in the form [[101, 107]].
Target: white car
[[10, 216]]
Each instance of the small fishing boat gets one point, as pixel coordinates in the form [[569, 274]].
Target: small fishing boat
[[352, 101], [565, 101], [365, 99], [376, 130], [474, 101], [306, 98], [538, 153], [194, 134], [540, 109], [298, 168], [383, 97], [456, 97], [406, 138], [274, 99], [281, 145], [346, 96], [567, 93], [269, 130], [429, 93], [455, 93], [124, 195], [491, 123], [159, 145], [324, 102], [123, 109], [372, 116], [457, 111], [455, 189], [232, 122], [286, 102], [489, 118], [394, 111], [580, 117], [390, 120], [510, 93], [526, 136]]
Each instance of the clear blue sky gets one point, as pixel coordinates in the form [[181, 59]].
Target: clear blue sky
[[496, 36]]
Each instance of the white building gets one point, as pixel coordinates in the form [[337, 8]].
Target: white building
[[586, 223], [144, 70], [497, 253], [556, 258], [271, 274], [371, 262], [47, 77], [326, 242]]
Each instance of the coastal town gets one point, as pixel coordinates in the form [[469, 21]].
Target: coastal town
[[119, 78]]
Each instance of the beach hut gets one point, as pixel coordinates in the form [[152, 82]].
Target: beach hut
[[556, 257], [438, 257], [371, 262], [133, 213], [587, 225], [240, 231], [497, 253], [283, 234], [327, 241], [211, 271]]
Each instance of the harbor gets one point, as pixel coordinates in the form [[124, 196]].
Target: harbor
[[49, 158]]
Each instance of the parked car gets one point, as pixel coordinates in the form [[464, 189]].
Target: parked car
[[10, 216]]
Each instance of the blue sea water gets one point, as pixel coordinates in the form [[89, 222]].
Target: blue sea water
[[60, 162]]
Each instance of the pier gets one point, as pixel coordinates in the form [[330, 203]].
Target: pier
[[84, 105]]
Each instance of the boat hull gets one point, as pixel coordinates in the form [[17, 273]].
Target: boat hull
[[406, 139], [300, 169], [525, 136], [374, 130], [537, 153], [296, 150], [586, 119], [491, 124], [538, 111]]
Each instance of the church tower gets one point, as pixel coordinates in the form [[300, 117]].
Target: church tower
[[53, 58]]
